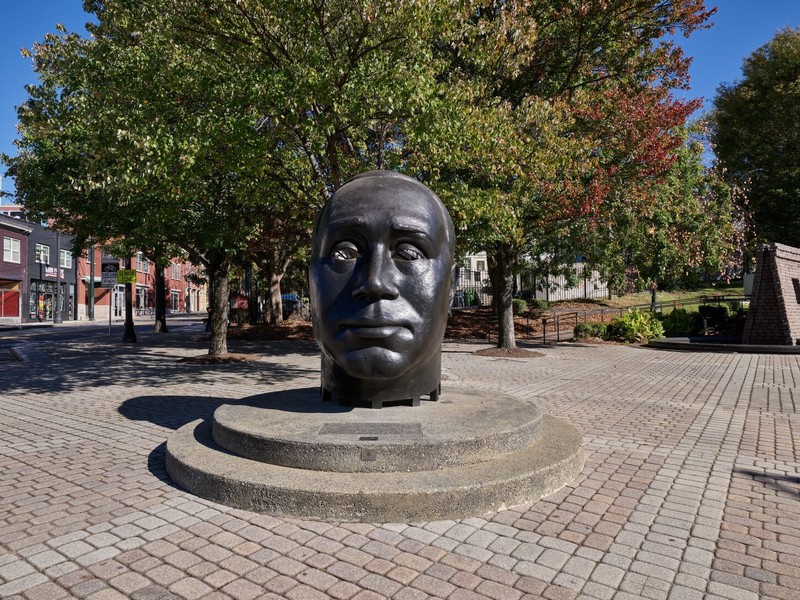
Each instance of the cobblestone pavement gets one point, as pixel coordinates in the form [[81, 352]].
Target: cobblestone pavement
[[691, 487]]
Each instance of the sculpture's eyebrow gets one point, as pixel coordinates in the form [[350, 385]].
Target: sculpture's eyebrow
[[410, 225], [346, 222]]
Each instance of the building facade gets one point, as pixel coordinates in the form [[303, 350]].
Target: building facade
[[40, 274], [51, 291], [37, 274], [182, 294], [13, 268]]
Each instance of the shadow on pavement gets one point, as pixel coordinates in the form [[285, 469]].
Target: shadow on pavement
[[173, 412], [781, 483], [91, 363], [156, 466]]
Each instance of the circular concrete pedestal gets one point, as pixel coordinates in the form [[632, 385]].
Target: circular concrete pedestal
[[292, 454]]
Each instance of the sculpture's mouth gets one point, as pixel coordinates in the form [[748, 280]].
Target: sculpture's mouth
[[373, 331], [374, 328]]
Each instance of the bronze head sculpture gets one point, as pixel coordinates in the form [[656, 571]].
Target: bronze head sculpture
[[379, 280]]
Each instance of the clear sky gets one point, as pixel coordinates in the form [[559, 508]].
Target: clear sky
[[740, 27]]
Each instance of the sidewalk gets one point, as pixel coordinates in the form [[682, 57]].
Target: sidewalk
[[691, 487], [6, 325]]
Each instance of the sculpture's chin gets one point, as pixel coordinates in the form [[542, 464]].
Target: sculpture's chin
[[375, 362]]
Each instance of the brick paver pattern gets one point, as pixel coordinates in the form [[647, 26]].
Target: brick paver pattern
[[691, 488]]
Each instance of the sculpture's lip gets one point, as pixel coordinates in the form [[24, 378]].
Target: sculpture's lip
[[373, 328], [374, 331]]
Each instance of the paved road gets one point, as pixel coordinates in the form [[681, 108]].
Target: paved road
[[691, 487]]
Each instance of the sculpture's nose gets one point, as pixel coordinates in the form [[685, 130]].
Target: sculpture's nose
[[375, 277]]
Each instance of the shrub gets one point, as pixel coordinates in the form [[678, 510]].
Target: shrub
[[715, 316], [519, 306], [539, 305], [589, 330], [736, 320], [635, 326], [682, 323], [471, 297]]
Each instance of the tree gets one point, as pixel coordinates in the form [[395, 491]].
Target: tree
[[335, 86], [756, 136], [123, 139], [686, 232], [215, 124], [204, 124], [565, 125]]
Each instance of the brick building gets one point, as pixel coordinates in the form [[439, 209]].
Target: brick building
[[181, 294]]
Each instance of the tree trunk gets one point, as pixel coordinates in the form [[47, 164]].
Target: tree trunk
[[275, 300], [504, 260], [275, 266], [218, 273], [160, 299]]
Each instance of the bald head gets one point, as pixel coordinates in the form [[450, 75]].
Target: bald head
[[379, 278]]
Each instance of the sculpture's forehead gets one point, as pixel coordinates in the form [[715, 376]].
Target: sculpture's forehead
[[387, 198], [383, 190]]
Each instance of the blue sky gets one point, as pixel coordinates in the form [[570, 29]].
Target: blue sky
[[740, 27]]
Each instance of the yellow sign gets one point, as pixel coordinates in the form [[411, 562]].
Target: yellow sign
[[126, 276]]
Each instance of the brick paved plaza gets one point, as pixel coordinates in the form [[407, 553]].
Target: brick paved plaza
[[691, 487]]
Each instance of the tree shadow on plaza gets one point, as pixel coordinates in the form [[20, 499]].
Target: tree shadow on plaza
[[173, 412], [153, 362], [788, 484]]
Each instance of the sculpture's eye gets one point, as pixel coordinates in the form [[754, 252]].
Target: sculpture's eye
[[408, 252], [345, 251]]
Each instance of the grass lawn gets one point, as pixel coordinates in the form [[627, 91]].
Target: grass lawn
[[727, 289]]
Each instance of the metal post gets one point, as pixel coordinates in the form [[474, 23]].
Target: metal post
[[91, 282], [57, 312]]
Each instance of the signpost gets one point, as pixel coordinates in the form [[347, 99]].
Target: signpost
[[108, 278], [126, 276], [108, 275]]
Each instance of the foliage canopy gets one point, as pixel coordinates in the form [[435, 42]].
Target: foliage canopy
[[756, 135]]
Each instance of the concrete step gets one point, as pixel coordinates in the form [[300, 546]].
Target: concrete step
[[201, 466], [300, 430]]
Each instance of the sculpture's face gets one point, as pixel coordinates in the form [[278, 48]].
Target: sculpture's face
[[380, 277]]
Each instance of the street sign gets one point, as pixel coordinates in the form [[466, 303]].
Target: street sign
[[107, 258], [126, 276], [108, 275]]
